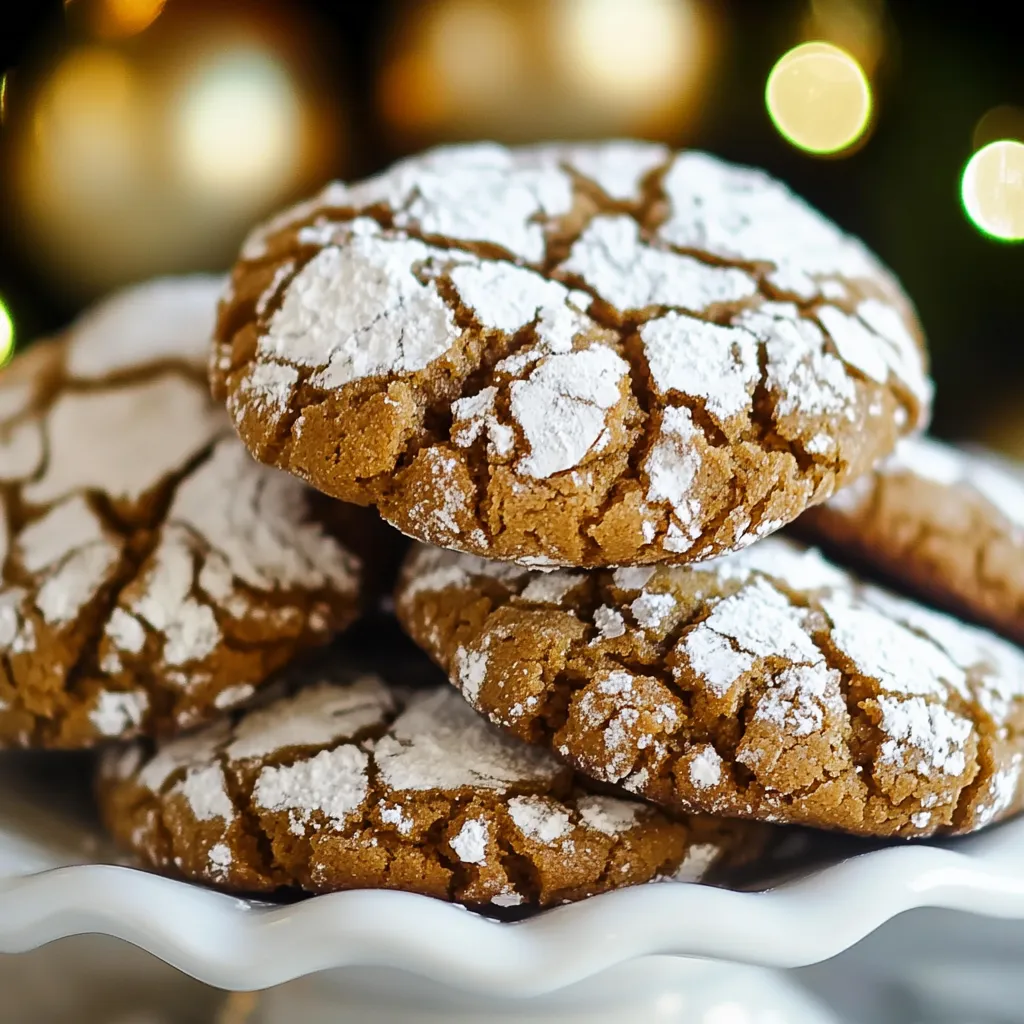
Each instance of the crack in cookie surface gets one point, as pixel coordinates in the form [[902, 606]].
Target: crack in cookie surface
[[766, 684], [583, 355], [152, 573], [343, 782]]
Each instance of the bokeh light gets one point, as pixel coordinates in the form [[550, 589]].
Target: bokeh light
[[238, 126], [464, 54], [6, 334], [857, 26], [1002, 122], [819, 98], [546, 68], [992, 190], [85, 116], [655, 43], [157, 155], [80, 166], [118, 19]]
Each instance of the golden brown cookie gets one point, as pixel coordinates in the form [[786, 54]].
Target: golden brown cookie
[[946, 523], [150, 572], [767, 684], [580, 355], [346, 783]]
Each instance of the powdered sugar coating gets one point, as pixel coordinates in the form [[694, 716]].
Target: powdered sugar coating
[[672, 466], [205, 791], [568, 306], [561, 407], [332, 783], [698, 861], [616, 167], [552, 587], [350, 783], [480, 193], [73, 556], [315, 716], [118, 714], [118, 442], [470, 842], [946, 522], [169, 319], [539, 818], [438, 742], [691, 356], [631, 275], [705, 769], [256, 521], [942, 464], [504, 296], [22, 448], [142, 551], [608, 814], [320, 326], [767, 684], [741, 213]]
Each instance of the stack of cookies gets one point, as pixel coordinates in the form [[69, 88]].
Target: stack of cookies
[[591, 382]]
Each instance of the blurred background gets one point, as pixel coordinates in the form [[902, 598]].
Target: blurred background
[[146, 136]]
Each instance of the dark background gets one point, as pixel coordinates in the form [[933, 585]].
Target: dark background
[[942, 67]]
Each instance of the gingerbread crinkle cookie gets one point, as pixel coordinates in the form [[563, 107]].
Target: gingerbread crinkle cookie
[[345, 782], [767, 684], [150, 572], [584, 355]]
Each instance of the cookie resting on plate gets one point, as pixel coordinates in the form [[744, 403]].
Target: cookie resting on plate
[[586, 355], [768, 685], [344, 782], [151, 573], [946, 523]]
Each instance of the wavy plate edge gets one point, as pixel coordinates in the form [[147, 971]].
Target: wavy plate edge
[[234, 944]]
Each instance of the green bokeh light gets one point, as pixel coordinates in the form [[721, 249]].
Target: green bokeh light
[[6, 334]]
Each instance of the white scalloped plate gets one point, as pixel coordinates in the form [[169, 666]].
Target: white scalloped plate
[[58, 878]]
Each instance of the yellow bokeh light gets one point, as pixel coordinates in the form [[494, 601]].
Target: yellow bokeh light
[[819, 98], [239, 126], [85, 131], [992, 190], [156, 156], [86, 101], [118, 19], [470, 54], [656, 46], [480, 47], [79, 161], [547, 68], [6, 334]]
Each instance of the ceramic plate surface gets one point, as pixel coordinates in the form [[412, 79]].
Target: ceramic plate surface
[[58, 877]]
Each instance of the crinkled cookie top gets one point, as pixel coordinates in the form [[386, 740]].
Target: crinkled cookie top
[[767, 684], [344, 782], [150, 571], [581, 355], [945, 522]]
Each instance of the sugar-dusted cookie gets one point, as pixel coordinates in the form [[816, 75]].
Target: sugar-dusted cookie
[[344, 782], [151, 572], [767, 684], [949, 524], [581, 355]]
